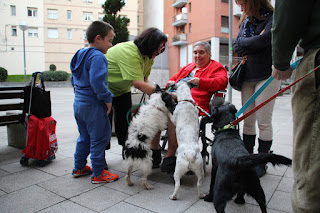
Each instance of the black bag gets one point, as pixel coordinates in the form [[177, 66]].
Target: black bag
[[40, 105], [237, 75]]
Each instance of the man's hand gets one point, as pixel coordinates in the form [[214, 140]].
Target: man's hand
[[195, 80], [109, 106], [281, 75]]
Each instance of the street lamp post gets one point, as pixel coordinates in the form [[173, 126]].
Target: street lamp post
[[23, 26]]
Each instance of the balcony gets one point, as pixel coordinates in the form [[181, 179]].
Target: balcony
[[178, 3], [179, 39], [179, 20]]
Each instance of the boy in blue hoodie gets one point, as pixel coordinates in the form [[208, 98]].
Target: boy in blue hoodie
[[92, 103]]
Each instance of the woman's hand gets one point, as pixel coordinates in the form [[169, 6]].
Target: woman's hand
[[195, 80], [109, 107]]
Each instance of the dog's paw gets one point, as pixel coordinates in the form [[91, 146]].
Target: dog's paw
[[202, 196], [128, 181], [208, 198], [173, 197], [149, 187]]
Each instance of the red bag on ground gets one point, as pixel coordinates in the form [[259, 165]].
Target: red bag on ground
[[41, 141]]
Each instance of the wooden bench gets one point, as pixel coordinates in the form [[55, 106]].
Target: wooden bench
[[13, 109], [12, 98]]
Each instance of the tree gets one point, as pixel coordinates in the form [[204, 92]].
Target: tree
[[111, 8]]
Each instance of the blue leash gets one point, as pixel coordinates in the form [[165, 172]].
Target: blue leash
[[293, 66]]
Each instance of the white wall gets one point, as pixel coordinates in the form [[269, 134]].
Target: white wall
[[154, 15], [11, 47]]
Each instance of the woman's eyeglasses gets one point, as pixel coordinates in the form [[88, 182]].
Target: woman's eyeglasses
[[161, 50]]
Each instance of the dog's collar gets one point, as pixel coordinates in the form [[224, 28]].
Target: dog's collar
[[191, 101], [161, 110], [226, 127]]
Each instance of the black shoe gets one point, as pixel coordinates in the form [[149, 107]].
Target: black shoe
[[261, 170], [168, 164], [156, 158]]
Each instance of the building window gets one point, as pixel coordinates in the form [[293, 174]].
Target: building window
[[32, 12], [189, 7], [137, 19], [224, 24], [69, 15], [181, 29], [33, 32], [87, 1], [225, 1], [52, 14], [69, 34], [14, 30], [100, 16], [53, 33], [87, 16], [190, 29], [13, 10]]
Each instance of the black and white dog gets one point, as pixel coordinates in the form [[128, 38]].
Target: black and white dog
[[151, 118], [186, 119], [233, 168]]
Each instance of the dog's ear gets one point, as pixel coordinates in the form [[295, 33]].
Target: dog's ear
[[192, 85], [233, 108], [168, 100], [157, 89]]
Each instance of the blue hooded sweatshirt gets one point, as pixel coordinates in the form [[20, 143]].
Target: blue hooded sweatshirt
[[89, 68]]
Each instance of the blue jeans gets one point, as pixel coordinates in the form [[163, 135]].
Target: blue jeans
[[95, 131]]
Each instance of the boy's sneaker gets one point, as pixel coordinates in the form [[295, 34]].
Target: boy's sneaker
[[81, 172], [104, 177]]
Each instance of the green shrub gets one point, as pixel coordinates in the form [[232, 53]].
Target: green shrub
[[52, 67], [3, 74], [55, 75]]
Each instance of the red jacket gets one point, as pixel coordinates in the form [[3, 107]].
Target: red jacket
[[212, 77]]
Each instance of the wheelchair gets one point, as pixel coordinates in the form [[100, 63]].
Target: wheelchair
[[217, 99]]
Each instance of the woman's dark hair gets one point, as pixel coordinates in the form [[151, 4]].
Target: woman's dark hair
[[98, 28], [149, 40]]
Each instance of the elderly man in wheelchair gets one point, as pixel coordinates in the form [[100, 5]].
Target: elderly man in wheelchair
[[210, 76]]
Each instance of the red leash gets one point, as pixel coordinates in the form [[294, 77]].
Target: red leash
[[237, 121]]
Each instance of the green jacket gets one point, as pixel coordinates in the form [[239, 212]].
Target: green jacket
[[294, 22]]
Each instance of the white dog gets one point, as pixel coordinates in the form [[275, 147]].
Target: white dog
[[151, 118], [185, 118]]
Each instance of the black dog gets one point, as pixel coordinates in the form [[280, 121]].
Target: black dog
[[233, 168]]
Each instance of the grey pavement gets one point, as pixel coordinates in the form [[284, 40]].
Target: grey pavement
[[53, 189]]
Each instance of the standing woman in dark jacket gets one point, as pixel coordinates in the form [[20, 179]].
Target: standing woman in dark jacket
[[254, 40]]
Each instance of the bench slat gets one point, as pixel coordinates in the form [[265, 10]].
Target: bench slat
[[12, 88], [7, 107], [11, 95], [9, 119]]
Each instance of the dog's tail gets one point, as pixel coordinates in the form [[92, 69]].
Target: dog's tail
[[190, 156], [262, 158]]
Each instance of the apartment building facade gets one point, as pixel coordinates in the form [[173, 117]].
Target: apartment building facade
[[56, 30], [189, 21]]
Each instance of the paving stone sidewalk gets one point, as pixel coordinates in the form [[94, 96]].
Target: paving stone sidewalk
[[53, 189]]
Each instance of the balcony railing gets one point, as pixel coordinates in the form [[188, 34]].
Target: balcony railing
[[179, 39], [178, 3], [180, 19]]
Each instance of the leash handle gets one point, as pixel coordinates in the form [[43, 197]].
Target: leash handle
[[236, 122], [293, 66]]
